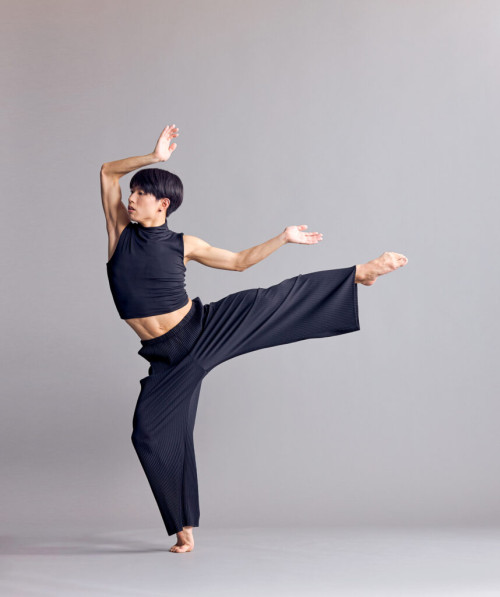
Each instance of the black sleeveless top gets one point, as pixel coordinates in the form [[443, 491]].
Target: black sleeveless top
[[146, 272]]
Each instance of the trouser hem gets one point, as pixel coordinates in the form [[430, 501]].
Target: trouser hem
[[355, 301], [179, 529]]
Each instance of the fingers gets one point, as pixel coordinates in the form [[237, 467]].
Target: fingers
[[171, 130], [313, 237], [309, 238]]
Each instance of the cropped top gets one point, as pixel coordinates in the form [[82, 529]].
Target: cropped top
[[146, 273]]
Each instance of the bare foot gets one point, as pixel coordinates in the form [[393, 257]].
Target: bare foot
[[185, 541], [367, 273]]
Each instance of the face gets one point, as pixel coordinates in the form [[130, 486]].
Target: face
[[144, 208]]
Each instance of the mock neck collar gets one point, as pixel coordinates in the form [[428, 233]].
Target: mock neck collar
[[151, 229]]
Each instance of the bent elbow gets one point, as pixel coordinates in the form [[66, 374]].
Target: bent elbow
[[238, 264]]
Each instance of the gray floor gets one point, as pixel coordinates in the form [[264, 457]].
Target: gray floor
[[254, 561]]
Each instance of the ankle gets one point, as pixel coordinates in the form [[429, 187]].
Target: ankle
[[360, 273]]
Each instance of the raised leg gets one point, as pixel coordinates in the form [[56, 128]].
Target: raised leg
[[312, 305]]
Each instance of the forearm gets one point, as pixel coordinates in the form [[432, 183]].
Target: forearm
[[251, 256], [122, 167]]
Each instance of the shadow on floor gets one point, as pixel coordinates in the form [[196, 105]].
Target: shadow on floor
[[78, 544]]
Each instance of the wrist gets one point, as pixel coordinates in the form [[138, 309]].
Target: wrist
[[283, 238], [154, 158]]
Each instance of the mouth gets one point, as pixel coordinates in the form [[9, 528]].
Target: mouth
[[131, 209]]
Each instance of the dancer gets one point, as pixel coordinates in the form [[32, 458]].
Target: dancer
[[182, 338]]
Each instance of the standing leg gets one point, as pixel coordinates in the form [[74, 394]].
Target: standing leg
[[190, 499], [162, 436]]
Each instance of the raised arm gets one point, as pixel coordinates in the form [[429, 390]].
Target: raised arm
[[199, 250], [114, 210]]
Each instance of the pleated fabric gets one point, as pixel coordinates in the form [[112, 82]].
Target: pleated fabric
[[313, 305]]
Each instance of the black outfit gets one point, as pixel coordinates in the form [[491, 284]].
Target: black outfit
[[313, 305], [146, 272]]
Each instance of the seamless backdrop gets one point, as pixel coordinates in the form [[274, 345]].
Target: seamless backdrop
[[375, 123]]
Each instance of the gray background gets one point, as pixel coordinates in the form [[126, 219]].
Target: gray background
[[375, 123]]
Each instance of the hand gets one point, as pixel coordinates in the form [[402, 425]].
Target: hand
[[296, 234], [162, 150]]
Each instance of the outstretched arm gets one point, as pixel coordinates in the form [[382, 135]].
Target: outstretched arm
[[201, 251]]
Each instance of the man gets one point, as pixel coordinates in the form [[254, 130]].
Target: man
[[184, 339]]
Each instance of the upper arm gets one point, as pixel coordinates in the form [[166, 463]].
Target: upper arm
[[111, 195], [199, 250]]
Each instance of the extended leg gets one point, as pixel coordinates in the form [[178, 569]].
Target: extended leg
[[312, 305]]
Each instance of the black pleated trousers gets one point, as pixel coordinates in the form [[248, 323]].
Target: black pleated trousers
[[313, 305]]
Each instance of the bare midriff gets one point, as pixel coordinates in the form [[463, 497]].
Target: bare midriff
[[157, 325]]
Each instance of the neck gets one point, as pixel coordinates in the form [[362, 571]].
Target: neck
[[154, 225]]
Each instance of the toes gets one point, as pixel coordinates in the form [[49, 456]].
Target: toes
[[180, 548]]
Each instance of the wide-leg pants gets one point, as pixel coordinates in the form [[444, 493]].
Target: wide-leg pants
[[313, 305]]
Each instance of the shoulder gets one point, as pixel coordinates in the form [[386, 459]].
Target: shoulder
[[192, 243]]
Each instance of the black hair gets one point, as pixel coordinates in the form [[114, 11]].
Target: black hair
[[161, 184]]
